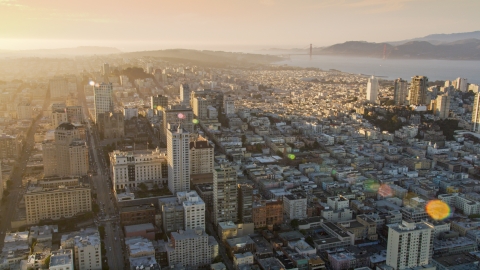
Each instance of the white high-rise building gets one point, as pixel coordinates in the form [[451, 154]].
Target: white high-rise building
[[191, 247], [178, 158], [400, 91], [409, 245], [372, 89], [442, 106], [228, 105], [185, 94], [194, 209], [103, 99], [461, 84], [476, 113]]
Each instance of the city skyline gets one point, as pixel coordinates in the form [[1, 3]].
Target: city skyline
[[233, 25]]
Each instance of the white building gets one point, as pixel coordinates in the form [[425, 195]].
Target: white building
[[240, 259], [178, 159], [400, 91], [191, 247], [58, 117], [372, 89], [185, 94], [442, 106], [103, 94], [61, 259], [194, 209], [409, 245], [468, 207], [295, 206], [130, 113], [228, 104], [86, 248], [129, 169], [461, 84], [476, 113]]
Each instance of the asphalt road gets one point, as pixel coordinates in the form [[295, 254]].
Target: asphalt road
[[113, 233]]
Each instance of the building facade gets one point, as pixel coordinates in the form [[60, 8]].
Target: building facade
[[400, 91], [372, 89], [201, 157], [224, 194], [193, 208], [476, 113], [178, 159], [417, 94], [103, 96], [192, 248], [129, 169]]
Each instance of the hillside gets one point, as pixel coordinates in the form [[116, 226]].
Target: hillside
[[441, 38], [468, 49], [206, 57]]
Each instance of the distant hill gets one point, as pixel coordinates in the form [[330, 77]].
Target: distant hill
[[206, 57], [62, 52], [467, 49], [436, 39]]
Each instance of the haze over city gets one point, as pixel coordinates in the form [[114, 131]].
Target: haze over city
[[226, 25], [239, 135]]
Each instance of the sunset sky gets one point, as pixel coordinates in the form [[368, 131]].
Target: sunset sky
[[226, 24]]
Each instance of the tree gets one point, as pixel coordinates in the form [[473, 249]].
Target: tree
[[47, 261], [143, 187], [218, 259], [294, 223]]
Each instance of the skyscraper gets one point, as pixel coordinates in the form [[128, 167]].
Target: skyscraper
[[442, 106], [372, 89], [476, 113], [228, 105], [178, 158], [185, 94], [106, 69], [103, 99], [400, 91], [172, 115], [158, 102], [461, 84], [409, 245], [418, 90], [71, 151], [224, 194]]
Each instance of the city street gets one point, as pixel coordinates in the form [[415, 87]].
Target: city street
[[113, 234], [9, 208]]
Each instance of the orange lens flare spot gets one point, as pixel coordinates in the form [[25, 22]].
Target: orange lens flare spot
[[438, 210]]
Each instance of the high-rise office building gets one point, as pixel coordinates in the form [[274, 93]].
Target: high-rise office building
[[106, 69], [417, 94], [228, 105], [476, 113], [185, 94], [71, 151], [372, 89], [75, 114], [178, 158], [461, 84], [224, 194], [201, 157], [67, 155], [58, 117], [158, 102], [193, 208], [200, 107], [103, 94], [245, 201], [409, 245], [400, 91], [442, 106], [173, 115], [191, 247]]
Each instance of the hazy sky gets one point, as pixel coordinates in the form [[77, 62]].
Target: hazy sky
[[226, 24]]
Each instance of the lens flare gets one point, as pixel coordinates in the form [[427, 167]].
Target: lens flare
[[385, 191], [371, 186], [195, 121], [437, 209], [291, 156], [159, 108], [92, 83], [181, 116]]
